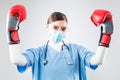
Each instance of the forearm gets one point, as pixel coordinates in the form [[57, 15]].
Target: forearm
[[102, 19], [99, 56], [15, 55], [16, 15]]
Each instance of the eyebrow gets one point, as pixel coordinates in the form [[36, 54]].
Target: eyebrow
[[58, 26]]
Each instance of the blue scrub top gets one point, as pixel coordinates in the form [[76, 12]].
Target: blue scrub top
[[64, 65]]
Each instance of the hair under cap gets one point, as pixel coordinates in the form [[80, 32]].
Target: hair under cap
[[56, 16]]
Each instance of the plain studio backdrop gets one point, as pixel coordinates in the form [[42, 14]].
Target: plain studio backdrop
[[80, 31]]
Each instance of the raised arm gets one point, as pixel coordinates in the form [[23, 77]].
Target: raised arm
[[15, 16], [102, 19]]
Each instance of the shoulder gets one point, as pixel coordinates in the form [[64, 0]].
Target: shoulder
[[35, 50], [75, 45]]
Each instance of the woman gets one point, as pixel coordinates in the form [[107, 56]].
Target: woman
[[56, 60]]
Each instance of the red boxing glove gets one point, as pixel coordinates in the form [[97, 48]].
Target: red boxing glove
[[16, 15], [103, 18]]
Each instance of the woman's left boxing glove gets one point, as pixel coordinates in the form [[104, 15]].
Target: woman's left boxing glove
[[103, 18]]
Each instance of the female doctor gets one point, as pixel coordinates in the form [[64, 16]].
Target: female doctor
[[57, 60]]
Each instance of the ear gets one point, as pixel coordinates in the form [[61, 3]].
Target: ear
[[46, 26]]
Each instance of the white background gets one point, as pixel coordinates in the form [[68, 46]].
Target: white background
[[81, 31]]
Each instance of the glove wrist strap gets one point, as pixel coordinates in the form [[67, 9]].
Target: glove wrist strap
[[104, 40], [13, 37]]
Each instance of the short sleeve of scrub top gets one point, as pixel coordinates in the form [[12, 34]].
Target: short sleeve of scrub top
[[31, 55], [86, 55]]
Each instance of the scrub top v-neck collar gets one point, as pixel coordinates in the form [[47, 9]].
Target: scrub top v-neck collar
[[62, 54]]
